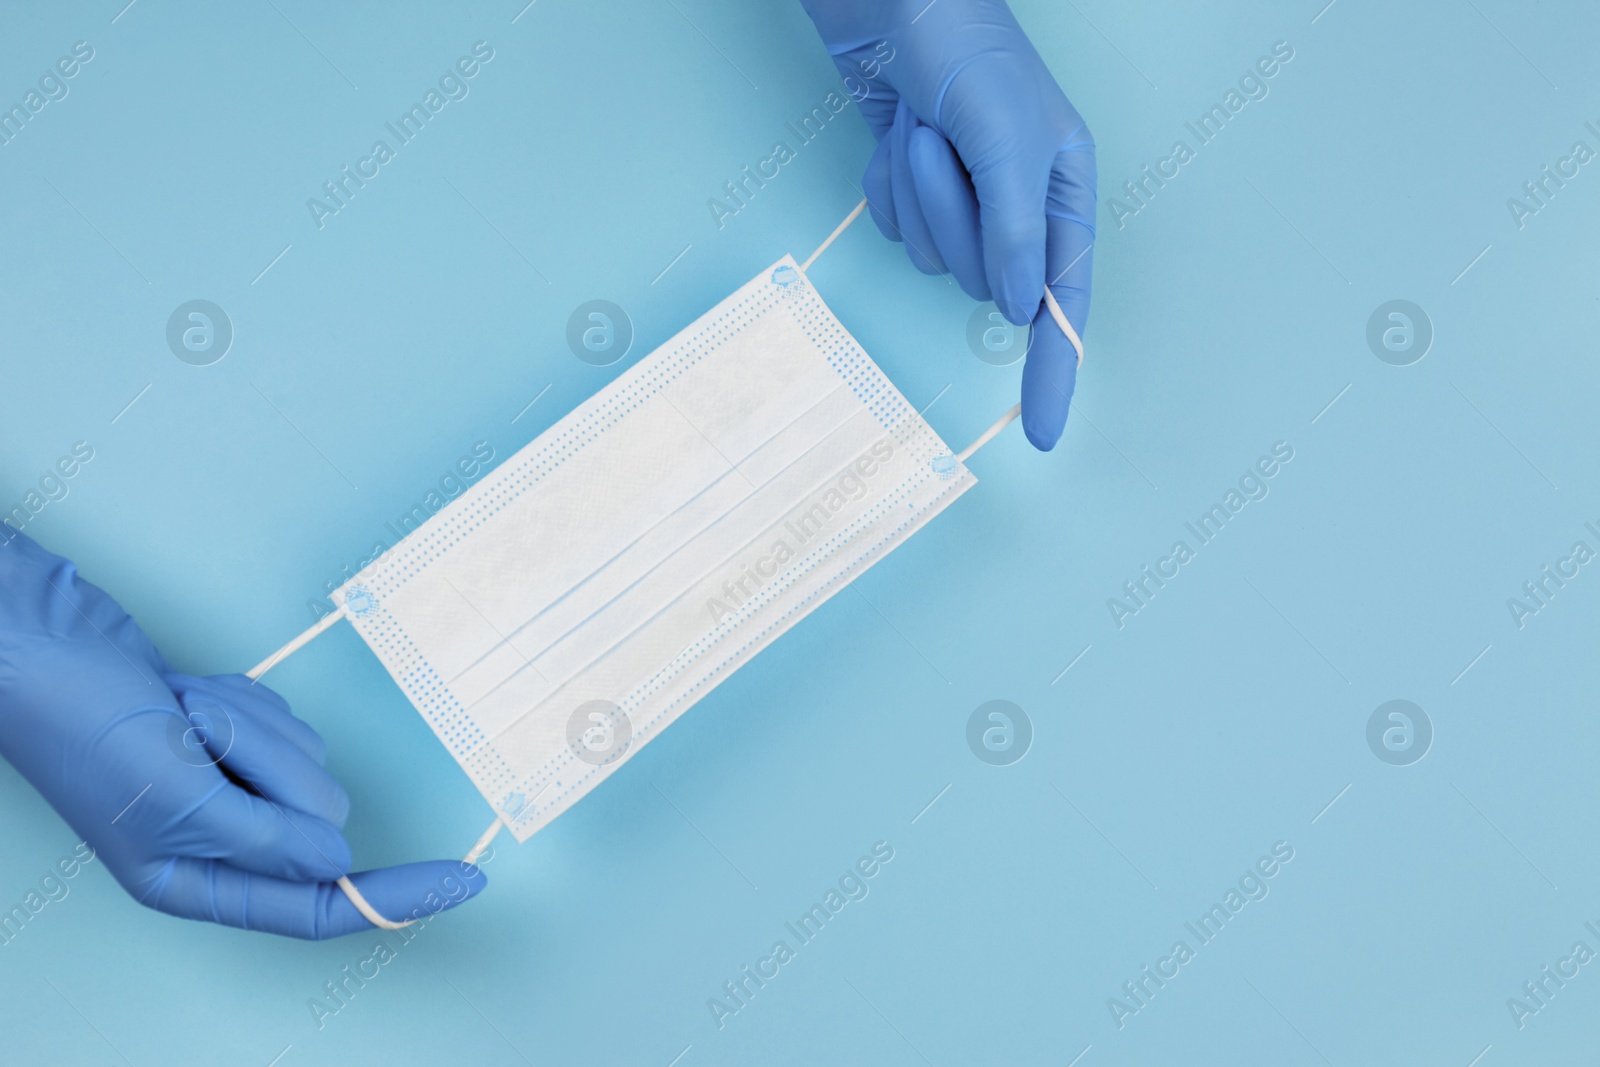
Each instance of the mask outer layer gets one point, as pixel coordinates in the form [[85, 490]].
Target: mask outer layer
[[567, 608]]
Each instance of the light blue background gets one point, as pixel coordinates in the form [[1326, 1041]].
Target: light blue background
[[1221, 719]]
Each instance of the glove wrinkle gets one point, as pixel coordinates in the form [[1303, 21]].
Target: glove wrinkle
[[157, 885], [178, 819]]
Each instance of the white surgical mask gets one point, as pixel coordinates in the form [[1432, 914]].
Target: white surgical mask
[[569, 607], [565, 610]]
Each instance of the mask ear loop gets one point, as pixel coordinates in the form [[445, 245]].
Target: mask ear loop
[[371, 914], [364, 906], [834, 236], [1010, 416]]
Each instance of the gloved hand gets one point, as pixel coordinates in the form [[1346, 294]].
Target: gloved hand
[[205, 797], [983, 167]]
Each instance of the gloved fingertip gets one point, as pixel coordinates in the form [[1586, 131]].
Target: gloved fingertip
[[417, 890], [879, 193], [1048, 382], [336, 857], [1019, 308], [885, 227], [922, 262], [1014, 236], [338, 807], [977, 288], [949, 208], [475, 879], [1043, 434], [317, 848]]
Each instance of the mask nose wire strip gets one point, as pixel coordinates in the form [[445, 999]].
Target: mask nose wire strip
[[371, 914]]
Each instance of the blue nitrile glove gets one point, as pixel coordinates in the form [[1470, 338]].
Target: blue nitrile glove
[[983, 167], [205, 797]]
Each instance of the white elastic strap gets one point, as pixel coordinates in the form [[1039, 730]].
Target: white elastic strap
[[1009, 417], [1050, 302], [483, 842], [368, 912], [1061, 321], [990, 434], [372, 914], [361, 903], [834, 236], [294, 646], [1049, 297]]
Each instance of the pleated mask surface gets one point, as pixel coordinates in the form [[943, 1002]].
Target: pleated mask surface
[[565, 610]]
